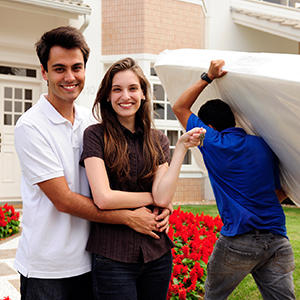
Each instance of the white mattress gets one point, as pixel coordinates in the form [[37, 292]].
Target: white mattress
[[263, 89]]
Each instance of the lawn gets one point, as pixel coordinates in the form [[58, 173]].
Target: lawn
[[247, 288]]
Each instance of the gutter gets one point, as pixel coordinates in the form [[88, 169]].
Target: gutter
[[63, 7]]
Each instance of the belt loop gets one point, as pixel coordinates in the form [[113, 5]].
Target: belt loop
[[257, 235]]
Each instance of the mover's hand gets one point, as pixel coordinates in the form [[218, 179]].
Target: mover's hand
[[216, 69]]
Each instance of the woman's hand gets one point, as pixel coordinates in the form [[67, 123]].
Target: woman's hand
[[165, 180], [192, 138], [163, 219]]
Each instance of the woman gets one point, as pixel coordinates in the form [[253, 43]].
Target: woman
[[127, 164]]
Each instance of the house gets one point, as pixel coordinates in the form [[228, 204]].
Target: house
[[138, 28]]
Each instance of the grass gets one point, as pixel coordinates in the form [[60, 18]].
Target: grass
[[247, 289]]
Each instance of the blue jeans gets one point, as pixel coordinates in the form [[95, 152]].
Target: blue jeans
[[268, 257], [115, 280], [73, 288]]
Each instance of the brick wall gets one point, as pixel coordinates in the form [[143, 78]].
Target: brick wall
[[150, 26], [189, 191]]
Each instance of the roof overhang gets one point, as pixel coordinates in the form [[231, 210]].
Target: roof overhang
[[264, 16], [69, 9]]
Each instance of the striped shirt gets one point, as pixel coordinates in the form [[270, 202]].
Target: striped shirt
[[120, 242]]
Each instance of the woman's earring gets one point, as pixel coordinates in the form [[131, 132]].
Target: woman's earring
[[107, 100]]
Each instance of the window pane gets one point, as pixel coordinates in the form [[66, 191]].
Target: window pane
[[22, 72], [16, 118], [30, 73], [7, 119], [158, 111], [277, 1], [173, 137], [294, 3], [8, 106], [27, 105], [8, 70], [158, 92], [152, 72], [170, 113], [172, 152], [18, 93], [28, 94], [8, 92], [18, 107], [188, 158]]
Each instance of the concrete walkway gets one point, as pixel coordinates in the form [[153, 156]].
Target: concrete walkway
[[9, 277]]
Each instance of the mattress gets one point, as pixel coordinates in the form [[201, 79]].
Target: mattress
[[263, 90]]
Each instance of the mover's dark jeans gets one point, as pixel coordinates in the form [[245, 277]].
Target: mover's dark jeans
[[268, 257]]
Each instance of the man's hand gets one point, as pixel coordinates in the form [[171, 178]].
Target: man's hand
[[143, 220], [164, 217], [215, 69]]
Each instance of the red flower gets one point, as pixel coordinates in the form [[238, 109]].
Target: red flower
[[182, 294], [194, 238], [9, 221], [177, 270], [185, 250]]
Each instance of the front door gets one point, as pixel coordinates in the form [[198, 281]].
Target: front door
[[15, 98]]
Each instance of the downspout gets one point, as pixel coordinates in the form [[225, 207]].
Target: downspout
[[204, 8], [206, 22], [86, 23]]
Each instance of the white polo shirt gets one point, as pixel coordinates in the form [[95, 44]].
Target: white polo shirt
[[52, 243]]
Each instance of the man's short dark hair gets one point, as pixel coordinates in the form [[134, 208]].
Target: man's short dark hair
[[66, 37], [217, 113]]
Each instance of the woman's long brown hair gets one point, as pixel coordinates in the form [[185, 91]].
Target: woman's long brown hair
[[116, 154]]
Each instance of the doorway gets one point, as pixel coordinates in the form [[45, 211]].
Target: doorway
[[15, 98]]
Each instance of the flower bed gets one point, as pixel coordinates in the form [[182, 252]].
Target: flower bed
[[9, 221], [194, 238]]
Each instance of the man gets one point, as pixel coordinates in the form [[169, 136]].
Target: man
[[51, 256], [244, 176]]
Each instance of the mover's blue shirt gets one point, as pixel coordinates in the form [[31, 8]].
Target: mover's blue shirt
[[244, 174]]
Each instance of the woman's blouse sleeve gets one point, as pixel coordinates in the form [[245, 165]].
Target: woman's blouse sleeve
[[93, 143]]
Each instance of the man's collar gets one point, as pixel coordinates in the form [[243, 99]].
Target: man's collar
[[237, 130], [53, 114]]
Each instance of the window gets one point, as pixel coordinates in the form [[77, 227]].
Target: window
[[18, 71], [173, 136], [166, 121], [152, 70], [290, 3], [16, 102], [161, 105]]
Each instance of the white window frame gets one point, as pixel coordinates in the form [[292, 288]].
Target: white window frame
[[174, 125]]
